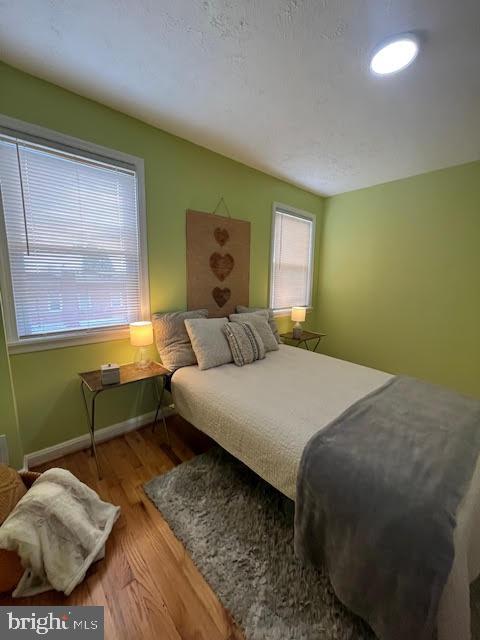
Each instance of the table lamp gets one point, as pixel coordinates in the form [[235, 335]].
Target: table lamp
[[298, 316], [141, 336]]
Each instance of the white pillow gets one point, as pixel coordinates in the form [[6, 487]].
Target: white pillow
[[209, 342]]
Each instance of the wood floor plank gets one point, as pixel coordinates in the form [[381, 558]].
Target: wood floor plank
[[123, 458], [150, 620], [168, 576], [99, 598], [152, 457]]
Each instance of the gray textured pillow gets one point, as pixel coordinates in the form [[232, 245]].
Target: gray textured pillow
[[259, 319], [209, 342], [271, 318], [245, 342], [171, 337]]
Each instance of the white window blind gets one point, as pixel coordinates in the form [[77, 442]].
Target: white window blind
[[292, 260], [72, 231]]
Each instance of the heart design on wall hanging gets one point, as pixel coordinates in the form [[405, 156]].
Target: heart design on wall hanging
[[221, 265], [221, 296], [221, 236]]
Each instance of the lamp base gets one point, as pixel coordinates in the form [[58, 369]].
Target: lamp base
[[297, 331], [141, 362]]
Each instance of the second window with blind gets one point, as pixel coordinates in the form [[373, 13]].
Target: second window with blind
[[292, 255]]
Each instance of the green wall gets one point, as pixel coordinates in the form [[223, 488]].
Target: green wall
[[398, 265], [179, 175], [400, 277], [8, 409]]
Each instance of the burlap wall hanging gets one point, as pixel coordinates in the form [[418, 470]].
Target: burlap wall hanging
[[218, 262]]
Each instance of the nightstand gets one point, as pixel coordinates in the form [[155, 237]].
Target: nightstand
[[304, 338], [91, 385]]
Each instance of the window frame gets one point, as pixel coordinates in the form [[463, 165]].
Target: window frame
[[296, 213], [63, 142]]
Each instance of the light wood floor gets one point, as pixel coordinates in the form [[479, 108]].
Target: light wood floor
[[147, 583]]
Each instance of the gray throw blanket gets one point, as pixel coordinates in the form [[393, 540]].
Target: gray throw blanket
[[377, 496]]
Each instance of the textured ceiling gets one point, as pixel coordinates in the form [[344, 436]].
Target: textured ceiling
[[281, 85]]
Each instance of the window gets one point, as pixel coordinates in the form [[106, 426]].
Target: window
[[293, 237], [72, 261]]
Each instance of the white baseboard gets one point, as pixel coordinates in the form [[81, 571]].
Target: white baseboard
[[83, 442]]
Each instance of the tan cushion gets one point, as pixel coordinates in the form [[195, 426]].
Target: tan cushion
[[259, 319], [12, 490], [171, 337], [209, 342], [271, 318]]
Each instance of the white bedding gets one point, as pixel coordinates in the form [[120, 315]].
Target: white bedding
[[265, 413]]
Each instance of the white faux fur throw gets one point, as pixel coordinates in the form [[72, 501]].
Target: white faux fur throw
[[58, 529]]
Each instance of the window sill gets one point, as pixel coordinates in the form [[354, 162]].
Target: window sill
[[62, 341]]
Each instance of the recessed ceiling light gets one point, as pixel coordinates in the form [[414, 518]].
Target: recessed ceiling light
[[394, 55]]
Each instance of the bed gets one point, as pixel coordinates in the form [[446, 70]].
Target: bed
[[264, 414]]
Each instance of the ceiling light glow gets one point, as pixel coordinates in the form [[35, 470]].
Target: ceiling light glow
[[394, 55]]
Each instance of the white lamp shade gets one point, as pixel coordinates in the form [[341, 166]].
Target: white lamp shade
[[141, 333], [298, 314]]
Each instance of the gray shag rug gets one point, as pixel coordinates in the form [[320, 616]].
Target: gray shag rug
[[239, 532]]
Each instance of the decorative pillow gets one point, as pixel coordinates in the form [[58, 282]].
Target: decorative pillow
[[271, 318], [171, 337], [245, 342], [209, 342], [259, 319]]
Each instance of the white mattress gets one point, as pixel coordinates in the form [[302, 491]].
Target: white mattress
[[265, 413]]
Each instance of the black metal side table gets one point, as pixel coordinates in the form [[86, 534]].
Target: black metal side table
[[304, 338], [91, 385]]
